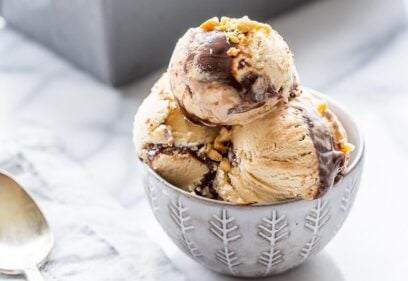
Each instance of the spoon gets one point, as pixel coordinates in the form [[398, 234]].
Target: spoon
[[25, 237]]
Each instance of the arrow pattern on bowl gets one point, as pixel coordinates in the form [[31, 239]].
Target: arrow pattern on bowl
[[316, 219], [273, 230], [346, 200], [153, 197], [179, 214], [224, 228]]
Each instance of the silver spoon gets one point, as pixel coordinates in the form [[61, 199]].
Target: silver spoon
[[25, 237]]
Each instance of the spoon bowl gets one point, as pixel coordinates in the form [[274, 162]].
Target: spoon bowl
[[25, 237]]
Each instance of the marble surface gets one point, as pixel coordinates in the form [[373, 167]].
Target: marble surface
[[46, 101], [81, 216], [60, 137]]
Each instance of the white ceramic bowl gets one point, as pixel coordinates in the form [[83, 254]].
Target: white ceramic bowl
[[260, 239]]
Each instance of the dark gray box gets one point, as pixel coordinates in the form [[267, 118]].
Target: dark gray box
[[119, 40]]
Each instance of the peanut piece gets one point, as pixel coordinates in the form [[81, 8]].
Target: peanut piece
[[225, 165], [322, 107], [208, 148], [224, 135], [233, 38], [243, 39], [214, 155], [347, 147], [221, 27], [219, 146], [233, 52], [210, 24]]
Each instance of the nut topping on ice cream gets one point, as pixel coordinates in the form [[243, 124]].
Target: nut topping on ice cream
[[293, 152], [231, 71], [171, 144], [229, 120]]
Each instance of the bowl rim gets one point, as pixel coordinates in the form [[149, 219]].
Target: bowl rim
[[356, 161]]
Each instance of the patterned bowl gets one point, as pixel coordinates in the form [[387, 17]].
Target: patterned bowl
[[260, 239]]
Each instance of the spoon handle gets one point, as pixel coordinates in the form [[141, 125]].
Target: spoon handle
[[33, 274]]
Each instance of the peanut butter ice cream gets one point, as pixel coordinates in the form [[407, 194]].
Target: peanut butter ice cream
[[296, 151], [171, 144], [229, 120], [231, 71]]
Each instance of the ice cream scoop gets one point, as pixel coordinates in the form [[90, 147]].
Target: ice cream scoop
[[171, 144], [231, 71], [295, 152]]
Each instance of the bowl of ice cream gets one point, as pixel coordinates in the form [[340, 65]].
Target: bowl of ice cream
[[248, 172]]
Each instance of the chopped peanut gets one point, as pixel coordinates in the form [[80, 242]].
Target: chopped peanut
[[322, 107], [224, 20], [214, 155], [237, 31], [233, 52], [224, 135], [210, 24], [347, 147], [225, 165], [208, 148], [219, 146], [243, 39], [221, 27], [233, 38], [246, 25]]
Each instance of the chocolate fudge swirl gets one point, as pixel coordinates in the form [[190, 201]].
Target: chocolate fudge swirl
[[153, 150], [212, 59], [330, 160]]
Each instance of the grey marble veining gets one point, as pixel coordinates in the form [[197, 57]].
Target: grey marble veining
[[68, 122], [82, 217], [63, 137]]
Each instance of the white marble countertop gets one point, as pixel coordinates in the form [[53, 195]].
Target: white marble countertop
[[363, 70]]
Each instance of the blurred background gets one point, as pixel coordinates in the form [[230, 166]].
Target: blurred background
[[73, 73], [123, 40]]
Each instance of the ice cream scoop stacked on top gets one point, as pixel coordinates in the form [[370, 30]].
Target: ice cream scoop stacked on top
[[229, 120], [231, 72]]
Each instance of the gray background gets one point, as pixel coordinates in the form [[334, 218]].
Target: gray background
[[119, 40]]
